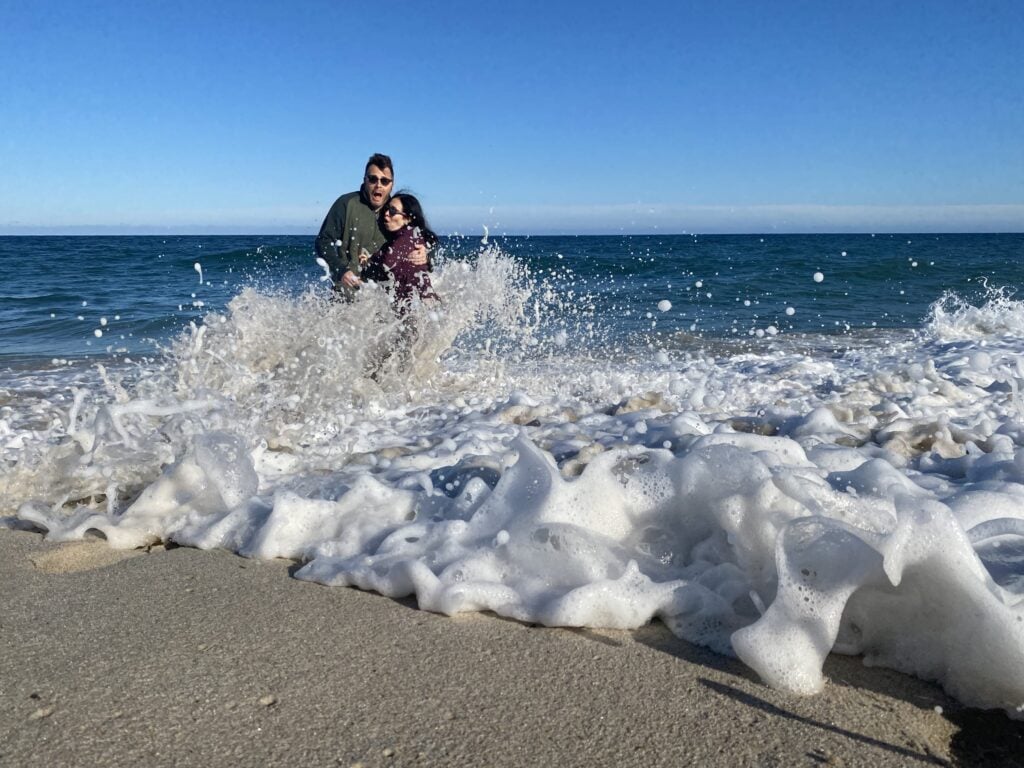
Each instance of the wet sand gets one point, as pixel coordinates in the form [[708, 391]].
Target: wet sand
[[180, 657]]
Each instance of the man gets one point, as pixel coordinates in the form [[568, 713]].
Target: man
[[352, 226]]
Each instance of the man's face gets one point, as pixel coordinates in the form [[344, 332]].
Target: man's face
[[377, 186]]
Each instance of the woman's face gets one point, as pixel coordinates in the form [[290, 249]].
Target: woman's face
[[394, 216]]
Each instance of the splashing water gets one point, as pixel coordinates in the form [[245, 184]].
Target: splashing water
[[954, 318], [777, 502]]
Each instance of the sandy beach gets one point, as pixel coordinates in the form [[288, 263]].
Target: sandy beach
[[182, 657]]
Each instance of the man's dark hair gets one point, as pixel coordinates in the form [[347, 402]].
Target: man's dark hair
[[381, 161]]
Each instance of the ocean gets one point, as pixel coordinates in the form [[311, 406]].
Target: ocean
[[780, 446]]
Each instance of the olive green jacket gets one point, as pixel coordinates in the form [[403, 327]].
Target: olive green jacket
[[350, 227]]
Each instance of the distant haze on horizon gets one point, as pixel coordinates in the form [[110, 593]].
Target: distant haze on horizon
[[636, 220], [734, 117]]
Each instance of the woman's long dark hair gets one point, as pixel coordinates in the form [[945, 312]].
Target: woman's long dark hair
[[414, 213]]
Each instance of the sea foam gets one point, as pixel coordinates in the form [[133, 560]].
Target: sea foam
[[765, 501]]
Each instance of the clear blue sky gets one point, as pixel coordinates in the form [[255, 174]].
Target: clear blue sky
[[681, 116]]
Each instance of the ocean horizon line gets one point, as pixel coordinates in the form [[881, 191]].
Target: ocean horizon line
[[287, 232]]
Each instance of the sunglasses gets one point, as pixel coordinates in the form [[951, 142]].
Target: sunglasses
[[392, 211], [382, 180]]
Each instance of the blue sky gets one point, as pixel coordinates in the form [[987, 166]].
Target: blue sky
[[528, 117]]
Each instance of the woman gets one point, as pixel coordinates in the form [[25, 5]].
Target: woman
[[405, 228]]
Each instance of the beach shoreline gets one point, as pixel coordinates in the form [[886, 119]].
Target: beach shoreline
[[189, 657]]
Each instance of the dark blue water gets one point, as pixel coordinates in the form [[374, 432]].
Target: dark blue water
[[57, 292]]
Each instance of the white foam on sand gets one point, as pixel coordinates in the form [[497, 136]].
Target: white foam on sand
[[773, 503]]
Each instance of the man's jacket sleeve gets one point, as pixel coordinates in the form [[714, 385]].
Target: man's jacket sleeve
[[328, 241]]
